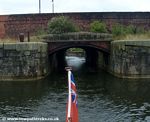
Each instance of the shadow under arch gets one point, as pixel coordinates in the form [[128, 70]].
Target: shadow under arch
[[82, 46], [91, 55]]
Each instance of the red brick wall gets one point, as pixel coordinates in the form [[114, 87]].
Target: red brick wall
[[12, 25], [3, 19]]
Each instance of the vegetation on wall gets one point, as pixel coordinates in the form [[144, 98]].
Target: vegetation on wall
[[130, 29], [40, 31], [98, 27], [120, 31], [61, 24], [129, 32]]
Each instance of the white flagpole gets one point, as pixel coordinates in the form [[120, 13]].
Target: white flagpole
[[69, 99], [69, 91]]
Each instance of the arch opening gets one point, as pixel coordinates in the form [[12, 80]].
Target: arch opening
[[82, 55], [75, 58]]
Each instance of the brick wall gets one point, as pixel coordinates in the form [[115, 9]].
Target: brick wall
[[12, 25]]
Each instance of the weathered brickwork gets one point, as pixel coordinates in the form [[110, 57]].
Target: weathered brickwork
[[23, 61], [130, 58], [12, 25]]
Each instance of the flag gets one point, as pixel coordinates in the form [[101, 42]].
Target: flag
[[72, 106]]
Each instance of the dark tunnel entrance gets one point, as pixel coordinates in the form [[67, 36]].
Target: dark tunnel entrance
[[90, 57]]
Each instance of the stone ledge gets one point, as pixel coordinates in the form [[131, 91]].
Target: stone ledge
[[77, 36], [130, 58], [23, 61], [130, 76], [143, 42], [22, 79]]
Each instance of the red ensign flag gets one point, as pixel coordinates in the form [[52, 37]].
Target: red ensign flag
[[72, 106]]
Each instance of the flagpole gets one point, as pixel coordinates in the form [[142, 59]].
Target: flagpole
[[69, 90], [39, 6], [52, 6], [68, 69]]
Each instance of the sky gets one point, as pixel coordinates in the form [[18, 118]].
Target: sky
[[32, 6]]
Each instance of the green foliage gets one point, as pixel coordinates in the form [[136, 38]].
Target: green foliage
[[99, 27], [61, 24], [75, 50], [121, 30], [118, 30], [130, 29], [141, 30], [40, 31]]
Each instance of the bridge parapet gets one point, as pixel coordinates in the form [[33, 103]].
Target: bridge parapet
[[100, 41], [78, 36]]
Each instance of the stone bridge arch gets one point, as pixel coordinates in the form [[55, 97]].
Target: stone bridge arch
[[55, 47], [90, 42], [100, 41]]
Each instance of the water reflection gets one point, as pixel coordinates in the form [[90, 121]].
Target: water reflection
[[75, 62], [101, 97]]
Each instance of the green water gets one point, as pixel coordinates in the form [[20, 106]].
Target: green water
[[101, 97]]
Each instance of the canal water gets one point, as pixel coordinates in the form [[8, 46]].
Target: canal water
[[101, 97]]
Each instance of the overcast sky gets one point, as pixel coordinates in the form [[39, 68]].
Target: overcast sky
[[32, 6]]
